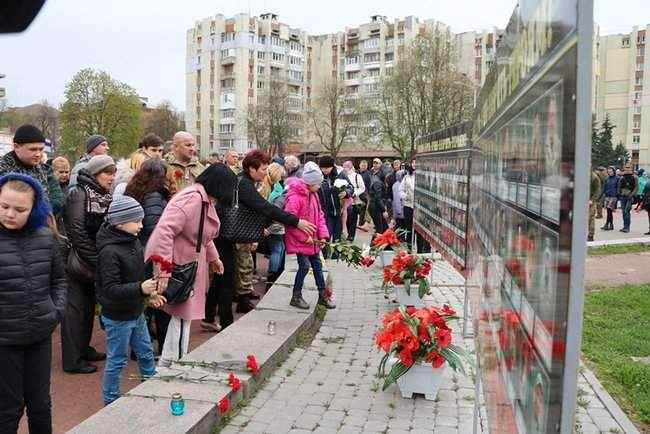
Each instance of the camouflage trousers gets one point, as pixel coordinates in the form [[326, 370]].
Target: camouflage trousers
[[592, 219], [243, 269]]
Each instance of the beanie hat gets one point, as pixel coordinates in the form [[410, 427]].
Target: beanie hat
[[124, 209], [94, 141], [28, 134], [311, 173], [326, 161], [98, 163]]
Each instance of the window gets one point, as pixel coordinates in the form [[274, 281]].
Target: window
[[625, 43], [371, 87], [640, 51], [229, 52], [351, 60], [251, 38], [389, 71], [277, 41], [373, 72], [371, 43], [296, 46], [637, 123], [260, 84], [639, 81], [388, 57], [400, 40], [296, 75], [229, 113], [637, 110], [260, 70], [352, 75], [226, 128], [371, 57], [389, 42], [641, 38], [277, 57], [293, 60], [636, 139], [261, 55], [225, 37]]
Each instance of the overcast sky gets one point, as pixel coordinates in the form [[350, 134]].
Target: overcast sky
[[142, 42]]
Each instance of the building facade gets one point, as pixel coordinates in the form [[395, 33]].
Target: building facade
[[623, 91], [229, 60]]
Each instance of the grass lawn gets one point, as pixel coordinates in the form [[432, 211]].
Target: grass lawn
[[617, 249], [617, 327]]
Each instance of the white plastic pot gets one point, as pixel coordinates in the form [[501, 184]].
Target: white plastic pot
[[386, 257], [405, 299], [421, 378]]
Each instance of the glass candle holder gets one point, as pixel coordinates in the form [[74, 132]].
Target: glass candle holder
[[270, 327], [177, 404]]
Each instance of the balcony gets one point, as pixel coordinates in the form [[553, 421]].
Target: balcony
[[230, 60], [352, 81], [352, 66]]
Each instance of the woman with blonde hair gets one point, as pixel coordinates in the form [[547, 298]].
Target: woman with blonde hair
[[125, 173], [271, 190]]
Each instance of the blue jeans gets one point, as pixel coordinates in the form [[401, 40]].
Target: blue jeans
[[119, 336], [304, 261], [626, 207], [335, 227], [276, 258]]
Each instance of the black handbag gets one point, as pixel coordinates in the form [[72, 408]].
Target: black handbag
[[181, 282], [239, 223]]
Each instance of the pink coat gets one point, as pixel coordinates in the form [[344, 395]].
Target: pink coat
[[174, 238], [305, 205]]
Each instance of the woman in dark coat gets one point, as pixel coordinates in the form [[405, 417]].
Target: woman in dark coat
[[32, 302], [152, 188], [85, 208], [254, 166]]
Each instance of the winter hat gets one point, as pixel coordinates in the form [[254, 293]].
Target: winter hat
[[326, 161], [311, 174], [124, 209], [94, 141], [28, 134], [98, 163], [41, 209]]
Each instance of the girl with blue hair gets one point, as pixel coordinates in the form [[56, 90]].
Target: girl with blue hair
[[32, 302]]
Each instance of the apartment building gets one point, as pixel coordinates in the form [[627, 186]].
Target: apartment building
[[229, 60], [623, 90], [476, 53]]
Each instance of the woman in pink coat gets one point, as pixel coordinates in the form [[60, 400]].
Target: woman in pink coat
[[302, 201], [174, 239]]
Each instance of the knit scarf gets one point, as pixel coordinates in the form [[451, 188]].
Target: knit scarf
[[96, 201]]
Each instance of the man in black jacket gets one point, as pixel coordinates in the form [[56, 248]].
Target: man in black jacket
[[376, 204], [332, 195]]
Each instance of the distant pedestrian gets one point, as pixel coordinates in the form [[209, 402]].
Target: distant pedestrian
[[303, 201], [377, 203], [398, 201], [292, 166], [122, 291], [610, 195], [645, 202], [95, 145], [627, 187], [332, 197], [359, 192], [595, 192], [407, 193], [32, 302]]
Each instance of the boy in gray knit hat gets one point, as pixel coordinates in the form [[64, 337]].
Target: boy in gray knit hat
[[122, 291]]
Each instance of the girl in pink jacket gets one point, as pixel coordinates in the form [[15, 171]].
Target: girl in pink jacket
[[302, 201]]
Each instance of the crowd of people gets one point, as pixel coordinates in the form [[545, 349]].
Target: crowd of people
[[120, 240], [611, 189]]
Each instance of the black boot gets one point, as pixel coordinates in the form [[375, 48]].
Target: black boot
[[270, 280], [299, 302], [244, 305], [326, 302]]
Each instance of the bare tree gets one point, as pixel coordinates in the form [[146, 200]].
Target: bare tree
[[334, 115], [164, 120], [276, 118], [425, 93], [46, 118]]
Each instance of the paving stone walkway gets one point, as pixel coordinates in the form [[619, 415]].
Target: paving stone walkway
[[331, 387]]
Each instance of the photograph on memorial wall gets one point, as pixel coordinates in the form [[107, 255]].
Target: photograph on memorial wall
[[520, 217], [442, 192]]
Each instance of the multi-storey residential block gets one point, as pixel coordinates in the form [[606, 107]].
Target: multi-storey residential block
[[476, 53], [229, 59], [623, 91]]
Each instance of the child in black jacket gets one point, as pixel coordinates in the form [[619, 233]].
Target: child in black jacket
[[121, 291]]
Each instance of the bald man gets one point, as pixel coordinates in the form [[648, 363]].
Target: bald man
[[185, 165]]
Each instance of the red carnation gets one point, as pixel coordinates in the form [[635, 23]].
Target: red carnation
[[367, 261], [447, 310], [234, 382], [178, 174], [223, 405], [251, 364], [328, 293], [435, 359], [165, 265]]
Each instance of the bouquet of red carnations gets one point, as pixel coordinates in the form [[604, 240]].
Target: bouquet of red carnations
[[413, 335], [409, 269]]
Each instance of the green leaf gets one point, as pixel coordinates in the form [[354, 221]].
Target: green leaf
[[396, 371], [422, 288]]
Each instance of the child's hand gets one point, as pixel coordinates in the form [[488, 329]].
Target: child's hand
[[322, 242], [148, 287], [309, 240]]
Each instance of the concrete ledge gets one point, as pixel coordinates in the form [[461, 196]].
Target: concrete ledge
[[202, 375], [644, 241]]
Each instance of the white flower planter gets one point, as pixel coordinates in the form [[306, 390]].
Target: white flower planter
[[386, 257], [405, 299], [421, 378]]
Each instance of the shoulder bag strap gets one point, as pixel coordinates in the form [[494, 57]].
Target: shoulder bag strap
[[199, 238], [236, 195]]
